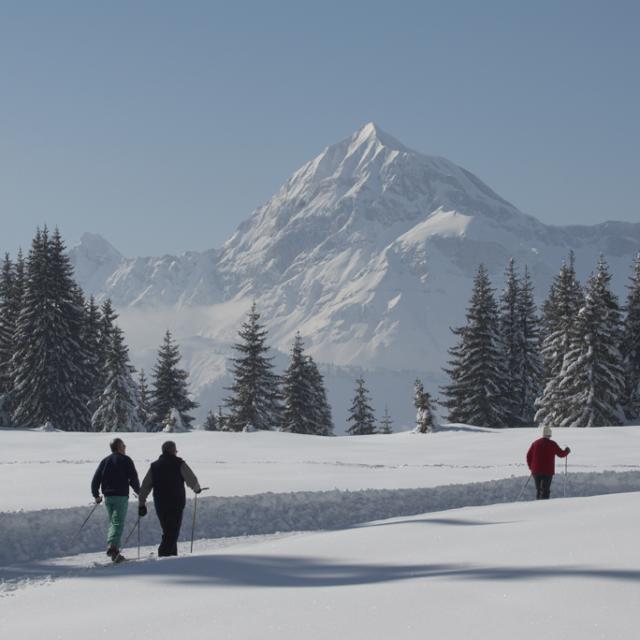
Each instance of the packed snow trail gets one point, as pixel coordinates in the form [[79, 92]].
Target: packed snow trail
[[48, 533], [557, 569]]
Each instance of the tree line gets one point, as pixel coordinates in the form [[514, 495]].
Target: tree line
[[577, 364], [64, 361]]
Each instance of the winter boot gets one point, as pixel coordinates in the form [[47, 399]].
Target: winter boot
[[118, 558], [113, 551]]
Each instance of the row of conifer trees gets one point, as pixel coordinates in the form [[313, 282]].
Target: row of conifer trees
[[578, 364], [64, 360]]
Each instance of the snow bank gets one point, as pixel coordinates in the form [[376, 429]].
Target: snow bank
[[49, 533]]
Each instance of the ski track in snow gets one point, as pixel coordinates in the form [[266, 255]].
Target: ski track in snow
[[48, 533]]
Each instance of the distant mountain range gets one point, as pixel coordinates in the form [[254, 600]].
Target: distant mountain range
[[368, 250]]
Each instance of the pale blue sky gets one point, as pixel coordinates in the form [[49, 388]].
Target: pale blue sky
[[162, 125]]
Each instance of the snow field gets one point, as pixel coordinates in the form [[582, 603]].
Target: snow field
[[267, 482], [560, 569], [49, 533], [53, 470]]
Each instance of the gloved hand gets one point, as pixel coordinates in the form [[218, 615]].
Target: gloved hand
[[142, 510], [98, 499], [567, 450], [198, 491]]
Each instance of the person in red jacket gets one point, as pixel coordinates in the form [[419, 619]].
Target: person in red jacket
[[541, 459]]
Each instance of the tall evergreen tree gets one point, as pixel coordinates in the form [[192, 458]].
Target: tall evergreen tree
[[512, 342], [69, 297], [7, 324], [255, 397], [592, 375], [529, 350], [297, 393], [475, 394], [108, 317], [361, 414], [144, 409], [306, 409], [93, 366], [425, 420], [386, 422], [19, 281], [560, 311], [631, 345], [321, 409], [47, 363], [118, 409], [170, 390]]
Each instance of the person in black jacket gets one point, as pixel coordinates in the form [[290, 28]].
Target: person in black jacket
[[115, 474], [167, 476]]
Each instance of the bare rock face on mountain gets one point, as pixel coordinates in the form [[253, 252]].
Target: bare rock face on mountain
[[368, 250]]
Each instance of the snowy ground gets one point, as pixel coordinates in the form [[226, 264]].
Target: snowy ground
[[50, 470], [560, 569], [463, 560]]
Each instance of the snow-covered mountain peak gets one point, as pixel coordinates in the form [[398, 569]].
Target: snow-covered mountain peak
[[371, 133], [365, 190], [96, 246]]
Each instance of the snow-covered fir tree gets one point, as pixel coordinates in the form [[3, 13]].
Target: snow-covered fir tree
[[306, 409], [475, 394], [529, 350], [361, 416], [70, 297], [425, 420], [118, 407], [47, 366], [386, 422], [297, 394], [174, 422], [321, 409], [211, 422], [591, 380], [7, 323], [631, 346], [560, 312], [144, 410], [255, 398], [108, 317], [169, 387], [90, 337], [512, 341]]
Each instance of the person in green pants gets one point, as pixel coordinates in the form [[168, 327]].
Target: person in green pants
[[114, 475]]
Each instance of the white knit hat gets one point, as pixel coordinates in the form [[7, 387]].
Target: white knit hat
[[546, 431]]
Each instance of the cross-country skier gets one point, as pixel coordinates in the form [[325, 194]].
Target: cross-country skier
[[541, 459], [167, 476], [115, 474]]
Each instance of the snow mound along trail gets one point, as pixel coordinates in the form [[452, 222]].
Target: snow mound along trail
[[49, 533]]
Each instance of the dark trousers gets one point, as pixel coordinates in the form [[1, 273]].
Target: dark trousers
[[170, 521], [543, 487]]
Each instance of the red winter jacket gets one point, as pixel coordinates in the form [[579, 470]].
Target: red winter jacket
[[541, 456]]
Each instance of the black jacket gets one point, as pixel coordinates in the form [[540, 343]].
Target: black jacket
[[115, 474], [168, 482]]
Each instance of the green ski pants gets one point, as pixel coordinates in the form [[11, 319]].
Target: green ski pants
[[117, 511]]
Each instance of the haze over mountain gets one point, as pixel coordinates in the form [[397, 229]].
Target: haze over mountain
[[368, 250]]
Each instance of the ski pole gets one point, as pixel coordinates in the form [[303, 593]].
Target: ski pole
[[138, 536], [135, 526], [95, 506], [565, 477], [523, 487], [193, 524]]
